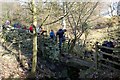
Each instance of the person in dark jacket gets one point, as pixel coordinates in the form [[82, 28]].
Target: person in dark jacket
[[108, 44], [60, 33]]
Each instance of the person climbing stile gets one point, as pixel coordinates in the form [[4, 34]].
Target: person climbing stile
[[60, 33]]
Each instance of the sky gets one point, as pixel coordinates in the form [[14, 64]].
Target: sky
[[64, 0], [104, 12]]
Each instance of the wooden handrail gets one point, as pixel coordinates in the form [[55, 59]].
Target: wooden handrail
[[97, 50], [112, 68], [99, 46], [110, 61], [109, 54], [114, 49]]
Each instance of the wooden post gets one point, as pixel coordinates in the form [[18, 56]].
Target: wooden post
[[19, 50], [96, 55]]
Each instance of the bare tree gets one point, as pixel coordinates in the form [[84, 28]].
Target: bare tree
[[64, 19], [118, 9], [34, 57], [78, 17]]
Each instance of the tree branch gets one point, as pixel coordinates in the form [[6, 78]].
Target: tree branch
[[91, 11], [59, 18], [79, 18], [44, 20]]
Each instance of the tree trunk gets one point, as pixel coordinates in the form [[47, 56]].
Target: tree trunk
[[73, 42], [64, 12], [34, 58], [72, 45]]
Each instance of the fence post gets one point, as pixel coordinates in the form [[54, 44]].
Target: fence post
[[96, 55], [19, 50]]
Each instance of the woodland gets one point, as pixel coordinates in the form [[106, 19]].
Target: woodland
[[32, 56]]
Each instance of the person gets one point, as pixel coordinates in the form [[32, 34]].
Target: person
[[3, 26], [104, 49], [108, 44], [60, 33], [39, 29], [7, 22], [18, 25], [31, 28], [43, 31], [24, 27], [7, 25], [52, 34], [15, 25]]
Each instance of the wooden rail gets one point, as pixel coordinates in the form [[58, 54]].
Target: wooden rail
[[112, 55], [97, 50], [76, 62], [114, 49], [109, 67]]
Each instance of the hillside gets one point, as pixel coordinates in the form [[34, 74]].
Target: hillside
[[9, 67]]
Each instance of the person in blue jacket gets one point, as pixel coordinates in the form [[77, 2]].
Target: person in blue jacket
[[52, 34]]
